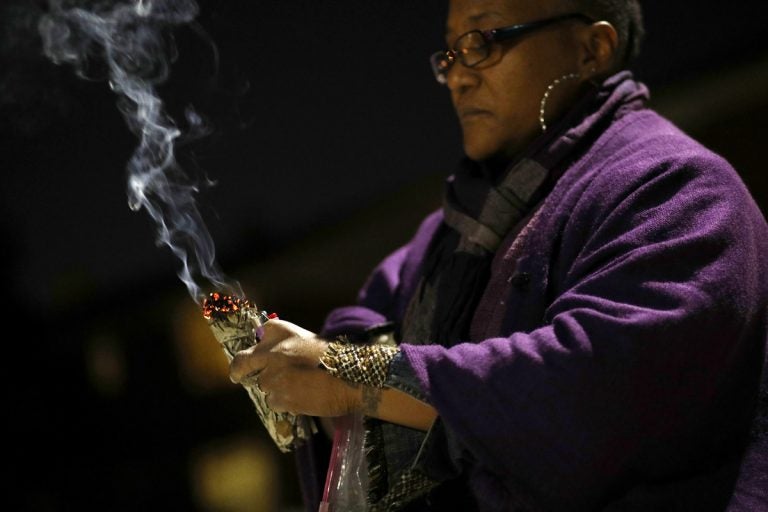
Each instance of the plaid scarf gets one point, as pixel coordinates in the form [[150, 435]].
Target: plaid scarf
[[477, 217]]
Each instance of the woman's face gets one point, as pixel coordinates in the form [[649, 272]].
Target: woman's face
[[498, 101]]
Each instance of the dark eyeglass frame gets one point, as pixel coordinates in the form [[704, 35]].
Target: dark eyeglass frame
[[444, 60]]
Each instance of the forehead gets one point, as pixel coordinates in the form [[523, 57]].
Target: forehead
[[467, 12]]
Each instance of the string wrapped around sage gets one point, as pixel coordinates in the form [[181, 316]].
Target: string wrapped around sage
[[236, 323]]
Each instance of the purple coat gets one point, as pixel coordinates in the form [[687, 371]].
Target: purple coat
[[615, 357]]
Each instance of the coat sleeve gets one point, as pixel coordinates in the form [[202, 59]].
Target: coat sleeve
[[639, 364], [384, 295], [375, 300]]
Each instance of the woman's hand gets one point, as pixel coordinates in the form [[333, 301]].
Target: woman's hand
[[285, 366]]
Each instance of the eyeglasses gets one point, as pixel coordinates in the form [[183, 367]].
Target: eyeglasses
[[474, 47]]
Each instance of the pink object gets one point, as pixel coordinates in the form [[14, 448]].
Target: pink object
[[338, 433]]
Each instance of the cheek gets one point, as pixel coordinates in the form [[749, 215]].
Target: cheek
[[509, 88], [517, 103]]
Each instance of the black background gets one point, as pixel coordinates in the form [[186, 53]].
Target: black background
[[329, 140]]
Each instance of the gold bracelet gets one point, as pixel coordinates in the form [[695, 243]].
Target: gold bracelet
[[361, 364]]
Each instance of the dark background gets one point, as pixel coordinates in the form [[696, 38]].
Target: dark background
[[329, 141]]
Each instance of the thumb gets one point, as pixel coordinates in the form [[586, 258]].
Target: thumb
[[247, 363]]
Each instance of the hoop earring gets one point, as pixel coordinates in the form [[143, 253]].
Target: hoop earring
[[549, 90]]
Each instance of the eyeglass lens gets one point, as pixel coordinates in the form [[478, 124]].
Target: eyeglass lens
[[470, 49]]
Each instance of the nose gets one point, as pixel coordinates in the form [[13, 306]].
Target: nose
[[460, 78]]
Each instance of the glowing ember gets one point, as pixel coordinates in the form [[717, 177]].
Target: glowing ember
[[218, 306]]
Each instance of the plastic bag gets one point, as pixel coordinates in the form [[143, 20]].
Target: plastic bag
[[346, 483]]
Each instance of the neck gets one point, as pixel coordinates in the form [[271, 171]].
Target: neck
[[494, 167]]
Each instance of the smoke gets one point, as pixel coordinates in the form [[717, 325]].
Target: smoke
[[131, 45]]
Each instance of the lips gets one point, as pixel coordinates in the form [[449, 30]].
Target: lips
[[473, 112]]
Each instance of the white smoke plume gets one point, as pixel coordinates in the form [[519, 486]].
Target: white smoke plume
[[130, 44]]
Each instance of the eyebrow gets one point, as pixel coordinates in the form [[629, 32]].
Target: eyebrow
[[475, 18]]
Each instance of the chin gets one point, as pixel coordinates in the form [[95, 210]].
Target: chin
[[479, 152], [481, 145], [491, 151]]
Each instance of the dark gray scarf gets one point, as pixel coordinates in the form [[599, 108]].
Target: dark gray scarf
[[478, 214]]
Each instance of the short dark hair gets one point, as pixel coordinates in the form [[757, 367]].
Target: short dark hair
[[626, 16]]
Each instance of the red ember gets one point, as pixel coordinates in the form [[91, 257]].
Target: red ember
[[219, 306]]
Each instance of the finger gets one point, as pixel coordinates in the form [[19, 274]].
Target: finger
[[272, 397], [274, 403], [246, 363], [277, 402], [297, 391], [280, 394], [275, 331]]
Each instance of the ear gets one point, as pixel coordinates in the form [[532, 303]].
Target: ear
[[598, 44]]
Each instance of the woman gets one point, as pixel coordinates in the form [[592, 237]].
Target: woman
[[581, 326]]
